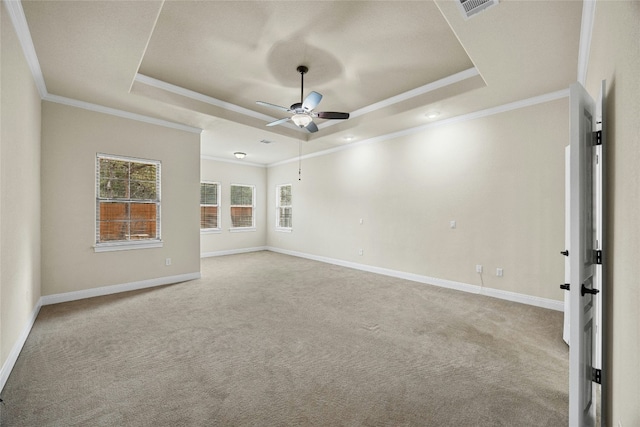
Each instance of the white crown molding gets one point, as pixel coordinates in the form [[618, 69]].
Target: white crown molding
[[430, 87], [237, 162], [19, 21], [586, 31], [443, 283], [458, 119], [455, 78], [197, 96], [119, 113]]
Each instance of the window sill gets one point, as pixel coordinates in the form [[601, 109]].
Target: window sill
[[210, 231], [126, 246], [241, 229], [284, 230]]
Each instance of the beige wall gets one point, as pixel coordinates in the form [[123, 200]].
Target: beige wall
[[615, 56], [20, 191], [501, 178], [71, 138], [227, 173]]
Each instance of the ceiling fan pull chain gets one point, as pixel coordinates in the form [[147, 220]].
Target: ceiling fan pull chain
[[299, 160]]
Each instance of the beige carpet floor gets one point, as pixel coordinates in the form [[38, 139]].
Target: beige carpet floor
[[265, 339]]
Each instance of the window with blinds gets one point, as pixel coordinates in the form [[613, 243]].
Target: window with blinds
[[128, 200], [209, 206], [283, 207], [242, 206]]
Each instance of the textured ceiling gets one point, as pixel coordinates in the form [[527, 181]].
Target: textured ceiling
[[206, 63]]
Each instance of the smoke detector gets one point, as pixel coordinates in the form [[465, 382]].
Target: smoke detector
[[468, 8]]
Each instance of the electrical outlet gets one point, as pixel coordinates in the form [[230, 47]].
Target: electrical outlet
[[167, 261], [499, 272], [478, 268], [360, 252], [452, 224]]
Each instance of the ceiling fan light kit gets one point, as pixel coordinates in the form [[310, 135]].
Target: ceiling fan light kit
[[301, 120], [302, 111]]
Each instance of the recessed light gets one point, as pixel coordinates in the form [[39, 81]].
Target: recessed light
[[349, 138], [432, 115]]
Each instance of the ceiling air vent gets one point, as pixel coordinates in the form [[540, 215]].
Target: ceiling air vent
[[471, 7]]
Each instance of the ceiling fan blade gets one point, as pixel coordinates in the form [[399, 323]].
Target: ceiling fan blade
[[280, 121], [266, 104], [311, 101], [311, 127], [332, 115]]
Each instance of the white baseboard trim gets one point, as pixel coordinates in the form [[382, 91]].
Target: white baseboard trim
[[114, 289], [459, 286], [548, 303], [233, 251], [8, 365]]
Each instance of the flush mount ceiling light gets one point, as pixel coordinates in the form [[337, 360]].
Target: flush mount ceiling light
[[239, 155]]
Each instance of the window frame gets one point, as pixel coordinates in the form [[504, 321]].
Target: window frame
[[119, 245], [279, 207], [253, 208], [217, 229]]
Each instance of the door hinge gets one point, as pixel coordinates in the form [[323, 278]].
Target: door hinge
[[598, 257], [597, 135], [596, 375]]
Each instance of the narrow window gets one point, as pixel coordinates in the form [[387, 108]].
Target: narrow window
[[283, 207], [209, 206], [127, 203], [242, 206]]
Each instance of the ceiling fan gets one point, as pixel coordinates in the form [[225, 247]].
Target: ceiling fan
[[303, 113]]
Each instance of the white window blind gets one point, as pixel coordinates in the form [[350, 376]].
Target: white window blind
[[128, 200], [284, 211], [242, 206], [209, 206]]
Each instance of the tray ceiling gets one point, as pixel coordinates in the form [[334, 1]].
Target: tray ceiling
[[206, 63]]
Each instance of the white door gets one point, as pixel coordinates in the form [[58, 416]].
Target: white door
[[567, 243], [582, 258]]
